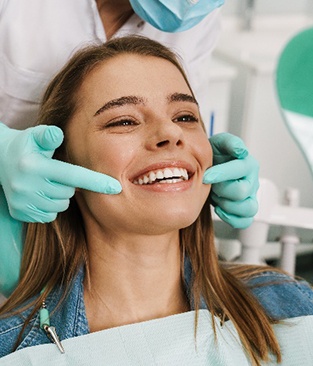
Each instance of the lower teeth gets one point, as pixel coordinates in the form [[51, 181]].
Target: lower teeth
[[171, 180]]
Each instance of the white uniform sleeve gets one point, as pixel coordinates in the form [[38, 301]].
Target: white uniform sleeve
[[36, 39]]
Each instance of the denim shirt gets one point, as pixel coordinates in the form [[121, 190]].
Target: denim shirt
[[280, 296]]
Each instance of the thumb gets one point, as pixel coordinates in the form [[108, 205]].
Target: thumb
[[47, 137]]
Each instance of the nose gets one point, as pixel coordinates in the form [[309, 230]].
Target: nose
[[165, 134]]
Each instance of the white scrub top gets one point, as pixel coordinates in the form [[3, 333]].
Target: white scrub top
[[37, 38]]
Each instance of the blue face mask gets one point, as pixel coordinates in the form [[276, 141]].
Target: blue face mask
[[174, 15]]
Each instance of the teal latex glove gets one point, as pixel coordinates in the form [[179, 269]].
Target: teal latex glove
[[234, 179], [36, 186], [11, 239]]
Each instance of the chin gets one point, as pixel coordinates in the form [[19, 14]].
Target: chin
[[175, 214], [172, 220]]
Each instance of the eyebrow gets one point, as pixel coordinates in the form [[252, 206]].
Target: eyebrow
[[134, 100], [181, 97], [119, 102]]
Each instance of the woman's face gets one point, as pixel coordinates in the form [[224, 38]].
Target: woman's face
[[138, 122]]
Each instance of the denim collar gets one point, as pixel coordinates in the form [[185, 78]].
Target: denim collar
[[69, 318], [281, 296]]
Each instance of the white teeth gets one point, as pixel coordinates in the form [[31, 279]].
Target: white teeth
[[159, 174], [171, 181], [177, 172], [152, 177], [167, 175]]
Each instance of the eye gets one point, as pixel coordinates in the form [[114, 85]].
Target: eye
[[121, 123], [186, 118]]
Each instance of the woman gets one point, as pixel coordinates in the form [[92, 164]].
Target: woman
[[147, 253], [64, 28]]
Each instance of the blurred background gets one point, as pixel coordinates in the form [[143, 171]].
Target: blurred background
[[242, 100]]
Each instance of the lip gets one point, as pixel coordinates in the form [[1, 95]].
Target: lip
[[166, 164], [166, 187]]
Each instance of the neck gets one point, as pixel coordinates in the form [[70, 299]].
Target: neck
[[113, 14], [133, 280]]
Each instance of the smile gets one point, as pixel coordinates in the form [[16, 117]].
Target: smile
[[164, 176]]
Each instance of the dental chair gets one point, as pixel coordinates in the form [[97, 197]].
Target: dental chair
[[294, 86]]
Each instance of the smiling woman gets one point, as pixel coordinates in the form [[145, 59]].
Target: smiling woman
[[145, 123], [127, 110]]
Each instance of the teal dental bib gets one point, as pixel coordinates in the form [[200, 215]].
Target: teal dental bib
[[168, 341]]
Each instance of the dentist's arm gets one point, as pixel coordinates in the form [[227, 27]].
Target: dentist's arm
[[36, 188], [234, 179], [11, 239]]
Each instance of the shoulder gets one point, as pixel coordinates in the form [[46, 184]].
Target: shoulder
[[281, 295], [10, 329], [67, 315]]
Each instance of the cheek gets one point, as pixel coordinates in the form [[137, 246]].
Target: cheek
[[204, 155], [85, 148], [76, 143], [108, 155], [113, 156], [203, 151], [208, 154]]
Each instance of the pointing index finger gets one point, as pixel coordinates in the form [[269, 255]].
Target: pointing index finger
[[80, 177], [232, 170]]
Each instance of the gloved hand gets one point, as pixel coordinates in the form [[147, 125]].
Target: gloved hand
[[11, 240], [234, 179], [36, 186]]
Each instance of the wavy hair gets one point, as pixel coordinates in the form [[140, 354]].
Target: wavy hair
[[63, 241]]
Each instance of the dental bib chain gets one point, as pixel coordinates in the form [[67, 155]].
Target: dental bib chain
[[49, 330]]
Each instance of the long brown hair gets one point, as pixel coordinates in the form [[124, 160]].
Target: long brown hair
[[54, 252]]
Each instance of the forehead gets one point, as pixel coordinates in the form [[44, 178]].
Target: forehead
[[129, 73]]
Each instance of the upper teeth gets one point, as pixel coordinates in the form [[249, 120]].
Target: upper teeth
[[167, 175]]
